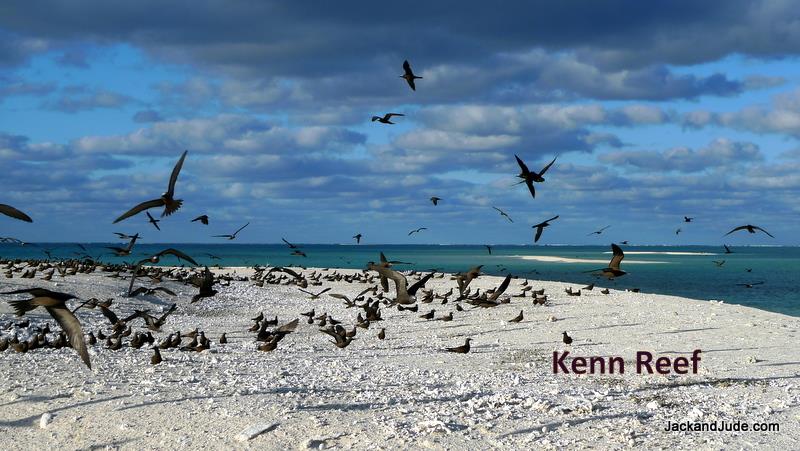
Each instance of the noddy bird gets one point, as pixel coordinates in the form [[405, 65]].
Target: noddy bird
[[409, 76], [203, 219], [598, 232], [528, 177], [10, 211], [167, 200], [750, 228], [540, 228], [357, 237], [54, 303], [417, 230], [612, 270], [386, 119], [153, 220], [502, 213], [435, 200], [460, 349], [231, 237], [124, 251]]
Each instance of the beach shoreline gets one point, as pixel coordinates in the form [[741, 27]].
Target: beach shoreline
[[405, 392]]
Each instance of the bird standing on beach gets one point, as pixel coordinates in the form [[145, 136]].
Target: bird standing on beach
[[409, 76], [233, 236], [566, 339], [54, 303], [167, 200], [528, 176], [540, 228], [12, 212], [386, 119], [206, 286], [750, 228], [460, 349]]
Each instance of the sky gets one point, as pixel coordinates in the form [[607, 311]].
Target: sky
[[654, 110]]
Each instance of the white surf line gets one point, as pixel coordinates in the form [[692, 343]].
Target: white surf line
[[664, 253], [553, 259]]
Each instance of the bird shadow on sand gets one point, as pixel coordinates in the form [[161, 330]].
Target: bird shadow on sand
[[719, 382], [573, 422], [29, 420], [116, 444], [610, 326], [780, 363], [36, 398], [682, 331]]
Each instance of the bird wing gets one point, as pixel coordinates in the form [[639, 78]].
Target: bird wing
[[170, 310], [174, 177], [617, 257], [291, 246], [240, 229], [178, 254], [531, 188], [412, 84], [165, 290], [544, 169], [289, 327], [340, 296], [323, 291], [8, 210], [412, 290], [73, 329], [759, 228], [112, 317], [736, 229], [140, 208], [522, 166], [306, 292], [539, 230], [389, 115], [501, 289], [407, 67]]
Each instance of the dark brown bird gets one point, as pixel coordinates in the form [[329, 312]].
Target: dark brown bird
[[167, 200], [203, 219], [233, 236], [223, 339], [540, 228], [529, 177], [156, 358], [54, 303], [435, 200], [124, 251], [566, 339], [517, 318], [612, 270], [153, 220], [598, 232], [386, 119], [206, 286], [12, 212], [502, 213], [357, 237], [382, 334], [409, 76], [750, 229], [460, 349]]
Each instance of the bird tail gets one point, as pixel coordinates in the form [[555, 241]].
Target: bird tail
[[23, 306], [172, 207]]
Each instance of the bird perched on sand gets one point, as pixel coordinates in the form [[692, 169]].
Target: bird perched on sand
[[566, 339], [517, 318], [612, 270], [54, 303], [233, 236], [167, 200], [409, 76], [460, 349], [203, 219], [502, 213], [357, 237], [386, 119], [435, 200], [540, 228], [528, 177], [750, 229], [153, 221], [12, 212]]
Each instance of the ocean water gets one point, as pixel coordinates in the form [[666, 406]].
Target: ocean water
[[686, 271]]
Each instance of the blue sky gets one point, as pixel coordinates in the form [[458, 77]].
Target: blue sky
[[677, 108]]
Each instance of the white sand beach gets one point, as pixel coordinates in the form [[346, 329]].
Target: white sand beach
[[405, 392]]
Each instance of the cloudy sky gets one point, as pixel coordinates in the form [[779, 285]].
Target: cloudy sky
[[655, 110]]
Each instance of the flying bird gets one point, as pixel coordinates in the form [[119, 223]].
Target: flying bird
[[750, 229], [435, 200], [124, 251], [502, 213], [612, 270], [719, 263], [540, 228], [203, 219], [687, 219], [386, 119], [409, 75], [167, 200], [231, 237], [291, 246], [417, 230], [677, 232], [529, 177], [54, 303], [8, 210], [153, 221], [357, 238], [727, 249], [488, 248], [598, 232]]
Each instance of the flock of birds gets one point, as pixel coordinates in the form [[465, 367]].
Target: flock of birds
[[267, 332]]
